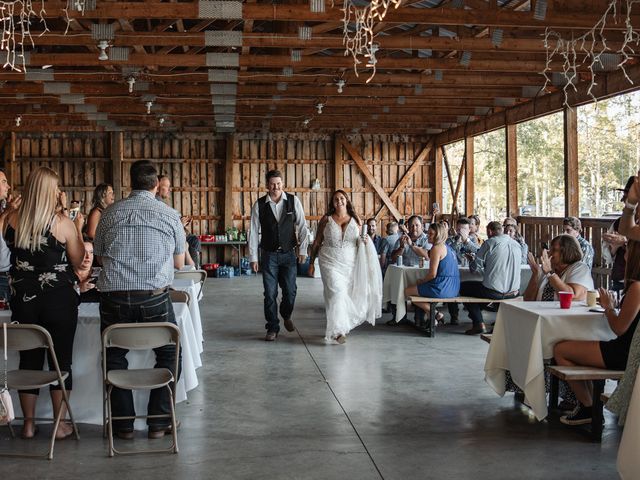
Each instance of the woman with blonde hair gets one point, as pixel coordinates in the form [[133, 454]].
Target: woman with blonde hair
[[102, 198], [351, 273], [45, 247], [443, 278]]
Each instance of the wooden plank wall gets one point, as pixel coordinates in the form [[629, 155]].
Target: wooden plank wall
[[302, 158], [82, 160], [537, 230]]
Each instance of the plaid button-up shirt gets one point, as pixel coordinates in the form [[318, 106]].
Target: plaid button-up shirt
[[136, 239]]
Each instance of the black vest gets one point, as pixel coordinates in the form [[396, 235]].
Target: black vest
[[277, 235]]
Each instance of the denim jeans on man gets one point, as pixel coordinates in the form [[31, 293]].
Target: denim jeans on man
[[138, 309], [474, 288], [278, 268]]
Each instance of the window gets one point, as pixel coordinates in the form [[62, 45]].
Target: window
[[490, 176], [608, 151], [541, 166]]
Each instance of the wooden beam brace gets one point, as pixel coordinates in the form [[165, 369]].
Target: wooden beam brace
[[437, 176], [408, 175], [469, 179], [359, 161]]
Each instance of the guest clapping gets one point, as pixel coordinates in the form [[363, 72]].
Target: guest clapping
[[560, 270]]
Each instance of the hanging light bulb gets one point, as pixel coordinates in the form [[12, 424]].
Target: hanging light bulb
[[149, 105], [340, 83], [18, 120], [319, 107], [131, 80], [103, 45]]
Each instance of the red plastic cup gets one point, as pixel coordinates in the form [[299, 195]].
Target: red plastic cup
[[565, 299]]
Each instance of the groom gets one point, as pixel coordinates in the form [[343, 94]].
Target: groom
[[279, 218]]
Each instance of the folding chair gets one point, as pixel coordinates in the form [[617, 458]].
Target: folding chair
[[195, 275], [179, 296], [139, 336], [27, 337]]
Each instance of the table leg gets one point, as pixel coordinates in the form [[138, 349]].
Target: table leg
[[432, 320], [596, 411], [553, 395]]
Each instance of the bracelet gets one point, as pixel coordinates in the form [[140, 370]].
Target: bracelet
[[632, 206]]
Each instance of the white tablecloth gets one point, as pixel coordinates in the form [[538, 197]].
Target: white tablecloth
[[628, 458], [194, 291], [396, 279], [86, 398], [524, 336]]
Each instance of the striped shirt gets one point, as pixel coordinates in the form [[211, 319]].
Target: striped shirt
[[137, 238]]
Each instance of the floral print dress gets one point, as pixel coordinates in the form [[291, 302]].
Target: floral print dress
[[35, 273]]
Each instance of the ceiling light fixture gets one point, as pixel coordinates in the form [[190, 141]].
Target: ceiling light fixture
[[18, 120], [149, 105], [319, 107], [340, 84], [131, 80], [103, 45]]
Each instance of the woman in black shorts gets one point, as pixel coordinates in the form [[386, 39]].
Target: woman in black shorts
[[612, 354]]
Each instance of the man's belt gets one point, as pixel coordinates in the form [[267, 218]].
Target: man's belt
[[137, 293]]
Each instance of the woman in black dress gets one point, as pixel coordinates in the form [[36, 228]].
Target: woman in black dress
[[45, 247], [612, 354]]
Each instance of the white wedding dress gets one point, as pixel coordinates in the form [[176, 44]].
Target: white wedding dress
[[352, 279]]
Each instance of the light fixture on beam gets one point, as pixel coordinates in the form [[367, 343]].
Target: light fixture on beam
[[103, 45], [319, 107], [148, 104], [18, 120], [340, 83], [131, 81]]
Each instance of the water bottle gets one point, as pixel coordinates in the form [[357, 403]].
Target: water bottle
[[399, 261], [421, 262]]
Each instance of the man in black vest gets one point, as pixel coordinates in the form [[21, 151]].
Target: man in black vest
[[279, 218]]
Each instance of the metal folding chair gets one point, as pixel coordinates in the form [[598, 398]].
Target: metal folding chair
[[199, 276], [27, 337], [179, 296], [139, 336]]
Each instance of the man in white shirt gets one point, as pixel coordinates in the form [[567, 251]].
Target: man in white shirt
[[277, 228]]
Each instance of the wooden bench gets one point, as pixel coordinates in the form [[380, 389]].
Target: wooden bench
[[430, 327], [596, 375], [486, 337]]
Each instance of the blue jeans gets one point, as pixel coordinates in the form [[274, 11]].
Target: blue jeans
[[278, 268], [138, 309]]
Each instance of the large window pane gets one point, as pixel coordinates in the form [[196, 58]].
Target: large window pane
[[454, 154], [541, 166], [608, 151], [490, 172]]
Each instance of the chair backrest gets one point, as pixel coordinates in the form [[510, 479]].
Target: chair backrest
[[179, 296], [140, 336], [195, 275], [26, 336]]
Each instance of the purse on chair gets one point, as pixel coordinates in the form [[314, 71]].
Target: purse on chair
[[6, 405]]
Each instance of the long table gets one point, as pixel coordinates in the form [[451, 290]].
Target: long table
[[523, 338], [397, 278], [86, 398], [195, 294]]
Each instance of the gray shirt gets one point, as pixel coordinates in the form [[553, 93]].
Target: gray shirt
[[388, 243], [409, 257], [499, 261], [5, 256]]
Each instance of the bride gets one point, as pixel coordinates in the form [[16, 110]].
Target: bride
[[350, 270]]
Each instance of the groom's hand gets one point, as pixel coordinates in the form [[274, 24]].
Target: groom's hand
[[302, 258], [254, 266]]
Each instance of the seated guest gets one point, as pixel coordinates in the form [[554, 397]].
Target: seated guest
[[561, 270], [461, 243], [498, 260], [612, 354], [511, 228], [443, 278], [372, 228], [193, 241], [388, 243], [573, 227], [413, 245], [474, 228], [102, 198], [85, 286]]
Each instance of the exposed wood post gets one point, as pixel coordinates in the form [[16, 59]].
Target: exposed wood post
[[571, 184], [338, 167], [117, 157], [437, 175], [228, 181], [511, 144], [10, 161], [359, 161], [469, 192]]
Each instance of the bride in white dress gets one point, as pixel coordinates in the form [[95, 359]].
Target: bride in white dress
[[350, 270]]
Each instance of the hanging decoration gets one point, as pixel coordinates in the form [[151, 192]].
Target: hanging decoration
[[17, 17], [358, 33], [591, 50]]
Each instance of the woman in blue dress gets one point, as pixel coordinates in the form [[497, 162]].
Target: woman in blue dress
[[443, 278]]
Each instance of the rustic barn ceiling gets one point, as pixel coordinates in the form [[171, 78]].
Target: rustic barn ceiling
[[276, 66]]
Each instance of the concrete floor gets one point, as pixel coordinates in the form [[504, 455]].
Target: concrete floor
[[389, 404]]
